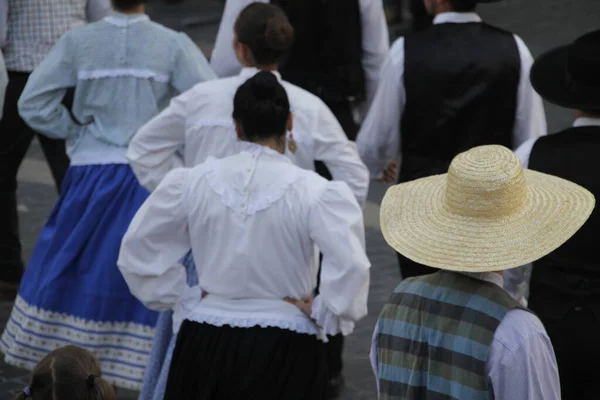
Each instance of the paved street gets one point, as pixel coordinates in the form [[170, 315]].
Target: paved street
[[542, 24]]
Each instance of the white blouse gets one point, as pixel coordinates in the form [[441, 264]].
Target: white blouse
[[253, 221], [198, 124]]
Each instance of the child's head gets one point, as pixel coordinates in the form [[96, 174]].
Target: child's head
[[68, 373]]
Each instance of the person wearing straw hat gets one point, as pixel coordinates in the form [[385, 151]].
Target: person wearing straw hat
[[565, 285], [456, 334], [458, 84]]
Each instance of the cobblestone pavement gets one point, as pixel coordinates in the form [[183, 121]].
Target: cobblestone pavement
[[542, 24]]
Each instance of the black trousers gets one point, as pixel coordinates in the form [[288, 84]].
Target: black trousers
[[344, 115], [576, 346], [225, 363], [15, 138]]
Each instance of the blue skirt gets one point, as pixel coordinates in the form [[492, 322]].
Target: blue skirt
[[72, 291], [157, 373]]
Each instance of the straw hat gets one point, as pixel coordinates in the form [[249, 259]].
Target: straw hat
[[485, 214]]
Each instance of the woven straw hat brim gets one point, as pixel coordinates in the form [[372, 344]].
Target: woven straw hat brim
[[416, 224]]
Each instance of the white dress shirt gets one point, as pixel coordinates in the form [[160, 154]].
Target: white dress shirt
[[516, 280], [521, 364], [198, 124], [253, 221], [379, 137], [376, 43]]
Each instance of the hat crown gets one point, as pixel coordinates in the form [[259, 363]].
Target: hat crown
[[583, 61], [485, 182]]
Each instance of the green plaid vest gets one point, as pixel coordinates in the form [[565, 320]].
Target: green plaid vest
[[434, 337]]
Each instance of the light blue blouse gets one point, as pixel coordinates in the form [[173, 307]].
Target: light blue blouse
[[125, 69]]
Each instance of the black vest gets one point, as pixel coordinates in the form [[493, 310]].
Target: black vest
[[569, 277], [326, 58], [461, 85]]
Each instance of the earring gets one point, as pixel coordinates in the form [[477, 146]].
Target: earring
[[292, 144]]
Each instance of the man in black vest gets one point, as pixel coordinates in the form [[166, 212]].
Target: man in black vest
[[565, 285], [458, 84]]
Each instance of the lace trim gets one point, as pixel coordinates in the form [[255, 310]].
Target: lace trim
[[87, 75], [330, 323], [122, 348], [236, 200], [298, 327], [123, 22]]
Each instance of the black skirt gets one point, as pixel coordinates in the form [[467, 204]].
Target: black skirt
[[225, 363]]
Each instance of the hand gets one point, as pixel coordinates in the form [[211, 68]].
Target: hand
[[305, 305], [390, 174]]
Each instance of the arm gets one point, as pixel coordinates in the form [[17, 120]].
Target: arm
[[223, 59], [376, 44], [336, 226], [153, 245], [191, 67], [153, 151], [40, 104], [523, 367], [332, 147], [3, 83], [97, 9], [379, 138], [530, 121]]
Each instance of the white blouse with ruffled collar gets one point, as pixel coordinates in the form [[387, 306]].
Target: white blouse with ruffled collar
[[254, 221]]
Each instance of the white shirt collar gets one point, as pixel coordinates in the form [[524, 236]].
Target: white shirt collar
[[258, 149], [123, 20], [586, 121], [456, 17], [249, 72], [492, 277]]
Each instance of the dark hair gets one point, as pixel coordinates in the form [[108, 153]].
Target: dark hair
[[267, 32], [463, 5], [125, 5], [261, 107], [592, 113], [68, 373]]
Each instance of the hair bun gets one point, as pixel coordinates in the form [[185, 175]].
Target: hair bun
[[264, 85], [279, 33]]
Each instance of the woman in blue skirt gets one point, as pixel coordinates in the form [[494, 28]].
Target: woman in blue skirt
[[125, 69]]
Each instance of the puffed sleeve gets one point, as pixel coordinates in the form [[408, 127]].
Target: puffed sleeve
[[40, 104], [336, 225], [191, 66], [154, 243], [340, 155], [153, 151]]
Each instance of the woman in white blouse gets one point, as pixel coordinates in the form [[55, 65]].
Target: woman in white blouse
[[253, 221], [124, 69], [198, 124]]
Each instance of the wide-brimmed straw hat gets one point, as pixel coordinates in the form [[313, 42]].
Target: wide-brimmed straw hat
[[568, 76], [486, 214]]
